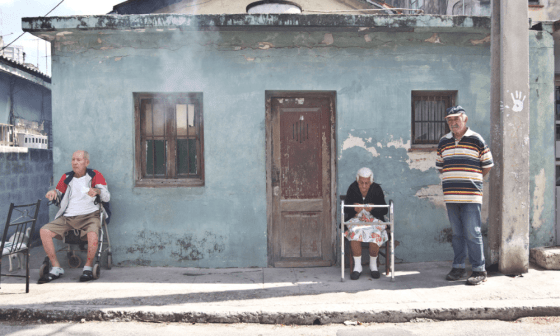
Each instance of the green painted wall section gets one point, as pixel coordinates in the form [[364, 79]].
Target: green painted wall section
[[224, 224], [542, 129]]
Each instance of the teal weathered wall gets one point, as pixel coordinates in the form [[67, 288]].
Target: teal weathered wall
[[223, 224], [542, 133]]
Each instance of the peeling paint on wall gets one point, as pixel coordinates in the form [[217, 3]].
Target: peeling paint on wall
[[265, 45], [328, 39], [433, 39], [484, 40], [445, 236], [433, 193], [399, 144], [181, 248], [353, 141], [538, 199], [421, 160], [62, 33]]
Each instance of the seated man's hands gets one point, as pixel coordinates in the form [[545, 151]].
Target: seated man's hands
[[368, 209], [93, 192], [51, 194]]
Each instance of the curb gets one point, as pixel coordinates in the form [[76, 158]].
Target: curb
[[316, 318]]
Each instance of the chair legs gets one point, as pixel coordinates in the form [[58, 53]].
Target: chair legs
[[27, 270], [387, 256]]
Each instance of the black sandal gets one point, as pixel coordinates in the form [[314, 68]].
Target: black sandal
[[86, 276], [48, 278], [355, 275]]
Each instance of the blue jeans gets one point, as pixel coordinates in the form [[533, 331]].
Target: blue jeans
[[465, 223]]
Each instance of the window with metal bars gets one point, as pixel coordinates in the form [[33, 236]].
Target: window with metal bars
[[428, 116], [169, 139]]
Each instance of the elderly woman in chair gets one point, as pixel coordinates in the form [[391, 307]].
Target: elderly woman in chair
[[365, 191]]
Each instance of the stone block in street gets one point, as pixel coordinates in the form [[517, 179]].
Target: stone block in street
[[547, 257]]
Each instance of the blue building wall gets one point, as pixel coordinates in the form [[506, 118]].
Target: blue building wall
[[4, 98], [224, 224], [31, 101], [25, 174], [26, 177]]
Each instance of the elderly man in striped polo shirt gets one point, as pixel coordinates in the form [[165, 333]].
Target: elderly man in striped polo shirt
[[463, 159]]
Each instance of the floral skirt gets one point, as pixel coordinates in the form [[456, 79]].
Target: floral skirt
[[367, 234]]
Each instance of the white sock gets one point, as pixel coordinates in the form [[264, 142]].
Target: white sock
[[358, 264], [88, 268], [56, 271], [373, 263]]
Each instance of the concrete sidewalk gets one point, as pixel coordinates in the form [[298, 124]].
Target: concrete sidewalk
[[277, 295]]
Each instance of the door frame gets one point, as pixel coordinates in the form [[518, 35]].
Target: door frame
[[269, 95]]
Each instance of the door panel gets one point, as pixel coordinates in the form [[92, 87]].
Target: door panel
[[301, 228]]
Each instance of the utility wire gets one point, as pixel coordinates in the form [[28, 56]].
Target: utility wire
[[9, 44]]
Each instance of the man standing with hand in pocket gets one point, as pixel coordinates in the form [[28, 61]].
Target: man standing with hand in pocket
[[463, 159]]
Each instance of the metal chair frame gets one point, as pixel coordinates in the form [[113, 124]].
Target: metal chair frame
[[21, 224], [390, 223]]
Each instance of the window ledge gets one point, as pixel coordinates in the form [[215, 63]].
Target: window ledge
[[423, 148], [536, 6], [174, 183]]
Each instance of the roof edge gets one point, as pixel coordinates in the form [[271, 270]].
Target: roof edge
[[249, 21], [24, 68]]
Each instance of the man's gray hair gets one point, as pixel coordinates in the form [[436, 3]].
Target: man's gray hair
[[364, 172], [85, 154]]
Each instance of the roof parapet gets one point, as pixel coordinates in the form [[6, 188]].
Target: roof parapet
[[49, 26]]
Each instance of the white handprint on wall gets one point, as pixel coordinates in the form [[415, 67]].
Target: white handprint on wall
[[517, 102]]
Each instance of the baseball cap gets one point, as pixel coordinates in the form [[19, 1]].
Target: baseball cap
[[454, 111]]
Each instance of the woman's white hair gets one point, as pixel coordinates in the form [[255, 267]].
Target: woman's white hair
[[364, 172]]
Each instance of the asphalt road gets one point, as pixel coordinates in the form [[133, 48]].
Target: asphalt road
[[524, 326]]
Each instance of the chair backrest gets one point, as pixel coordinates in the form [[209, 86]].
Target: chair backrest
[[20, 225]]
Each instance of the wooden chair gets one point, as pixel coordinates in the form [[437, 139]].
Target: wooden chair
[[21, 229], [388, 254]]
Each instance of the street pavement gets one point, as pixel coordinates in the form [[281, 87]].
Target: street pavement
[[290, 296]]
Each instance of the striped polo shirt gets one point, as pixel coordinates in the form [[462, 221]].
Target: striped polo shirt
[[461, 163]]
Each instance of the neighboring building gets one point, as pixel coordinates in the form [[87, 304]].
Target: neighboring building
[[444, 7], [547, 11], [26, 166], [13, 52], [226, 139]]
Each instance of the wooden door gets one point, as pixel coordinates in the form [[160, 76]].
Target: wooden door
[[301, 229]]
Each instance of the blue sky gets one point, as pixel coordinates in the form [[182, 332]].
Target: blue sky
[[11, 12]]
